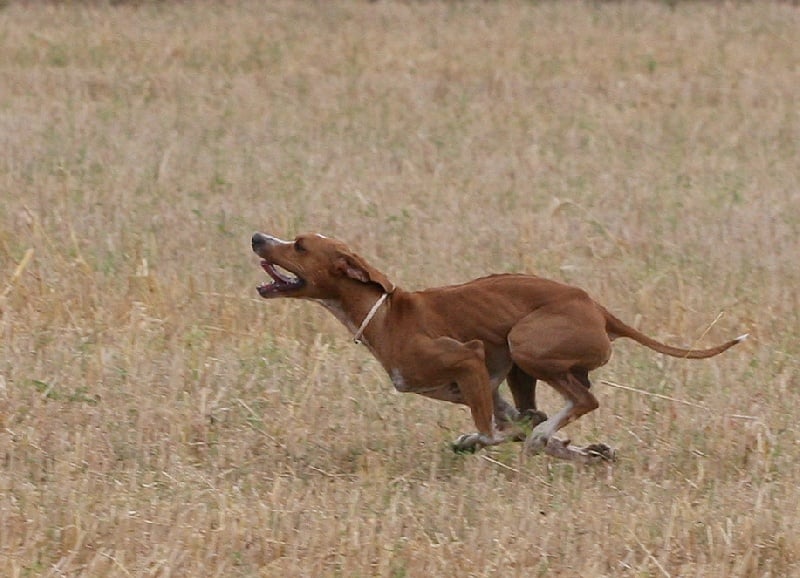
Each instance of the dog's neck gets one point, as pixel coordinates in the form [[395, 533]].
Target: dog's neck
[[357, 312], [373, 310]]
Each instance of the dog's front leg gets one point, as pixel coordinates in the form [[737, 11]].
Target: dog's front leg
[[467, 363], [450, 370]]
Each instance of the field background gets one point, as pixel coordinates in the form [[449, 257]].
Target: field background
[[158, 419]]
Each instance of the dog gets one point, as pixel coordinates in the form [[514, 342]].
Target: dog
[[459, 343]]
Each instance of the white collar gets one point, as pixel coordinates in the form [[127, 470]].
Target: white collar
[[368, 318]]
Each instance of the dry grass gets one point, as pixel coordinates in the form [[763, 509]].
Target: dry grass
[[156, 419]]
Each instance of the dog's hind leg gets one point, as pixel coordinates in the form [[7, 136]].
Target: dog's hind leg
[[560, 347], [504, 412], [523, 390]]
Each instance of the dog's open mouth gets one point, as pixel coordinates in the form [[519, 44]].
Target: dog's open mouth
[[282, 280]]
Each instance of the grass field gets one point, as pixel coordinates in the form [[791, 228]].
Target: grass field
[[158, 419]]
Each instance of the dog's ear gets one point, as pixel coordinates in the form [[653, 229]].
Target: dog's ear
[[355, 267]]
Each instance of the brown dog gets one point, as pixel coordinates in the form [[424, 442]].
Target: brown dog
[[459, 343]]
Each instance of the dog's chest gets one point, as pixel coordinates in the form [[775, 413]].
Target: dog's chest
[[398, 381], [446, 392]]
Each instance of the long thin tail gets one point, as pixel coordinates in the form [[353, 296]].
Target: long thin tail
[[617, 328]]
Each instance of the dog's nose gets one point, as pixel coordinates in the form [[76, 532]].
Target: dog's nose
[[259, 239]]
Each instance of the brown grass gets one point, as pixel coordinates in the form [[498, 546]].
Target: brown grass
[[157, 419]]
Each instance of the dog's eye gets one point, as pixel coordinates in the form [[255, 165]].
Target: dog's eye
[[299, 246]]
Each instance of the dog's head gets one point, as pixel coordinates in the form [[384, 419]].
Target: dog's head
[[312, 267]]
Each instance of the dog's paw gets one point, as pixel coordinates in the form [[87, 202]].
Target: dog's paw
[[591, 454], [533, 416], [536, 442], [601, 452], [470, 443], [459, 449]]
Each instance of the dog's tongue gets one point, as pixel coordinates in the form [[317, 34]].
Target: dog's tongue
[[274, 272]]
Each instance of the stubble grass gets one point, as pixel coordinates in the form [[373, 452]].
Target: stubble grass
[[157, 419]]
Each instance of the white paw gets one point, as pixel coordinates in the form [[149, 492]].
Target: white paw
[[537, 440]]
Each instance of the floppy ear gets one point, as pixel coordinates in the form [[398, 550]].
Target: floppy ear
[[355, 267]]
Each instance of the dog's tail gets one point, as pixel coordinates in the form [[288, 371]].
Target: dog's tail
[[617, 328]]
